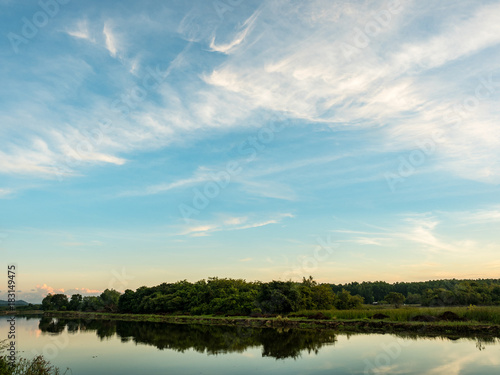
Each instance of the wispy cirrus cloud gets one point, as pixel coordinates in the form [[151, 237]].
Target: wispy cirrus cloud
[[110, 39], [478, 216], [298, 68], [201, 175], [231, 225], [429, 233], [396, 87], [238, 39], [80, 30], [5, 193]]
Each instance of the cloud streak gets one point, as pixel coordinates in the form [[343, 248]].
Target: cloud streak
[[239, 38], [231, 225]]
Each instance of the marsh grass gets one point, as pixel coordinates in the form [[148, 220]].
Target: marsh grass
[[480, 314], [23, 366], [473, 314]]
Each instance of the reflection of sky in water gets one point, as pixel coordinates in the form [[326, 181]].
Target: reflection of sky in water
[[86, 353]]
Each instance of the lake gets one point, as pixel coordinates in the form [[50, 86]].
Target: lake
[[123, 348]]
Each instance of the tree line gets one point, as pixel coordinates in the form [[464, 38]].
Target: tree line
[[217, 296], [451, 292], [212, 296]]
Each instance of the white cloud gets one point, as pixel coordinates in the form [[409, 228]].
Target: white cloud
[[239, 38], [80, 244], [433, 234], [230, 225], [484, 216], [5, 193], [36, 294], [479, 216], [198, 229], [285, 57], [235, 220], [81, 31], [463, 37], [199, 176], [423, 232], [368, 241], [110, 39], [305, 74]]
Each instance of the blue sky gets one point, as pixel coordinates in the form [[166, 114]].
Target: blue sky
[[155, 141]]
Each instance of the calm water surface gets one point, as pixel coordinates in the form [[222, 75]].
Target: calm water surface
[[110, 347]]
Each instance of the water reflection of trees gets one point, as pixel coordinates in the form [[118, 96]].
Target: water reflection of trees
[[50, 325], [278, 343], [213, 340]]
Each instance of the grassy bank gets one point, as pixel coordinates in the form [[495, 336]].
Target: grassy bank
[[21, 312], [35, 366], [474, 314], [483, 320], [23, 366]]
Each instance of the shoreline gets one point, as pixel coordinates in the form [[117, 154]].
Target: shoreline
[[460, 329], [17, 312]]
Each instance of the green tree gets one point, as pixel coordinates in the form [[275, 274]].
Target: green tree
[[75, 302], [323, 297], [91, 303], [109, 299], [345, 301], [279, 297], [395, 298], [127, 301], [58, 302], [413, 298], [47, 303]]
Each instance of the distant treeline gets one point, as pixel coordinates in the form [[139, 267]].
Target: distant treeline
[[212, 296], [240, 297], [451, 292], [20, 306]]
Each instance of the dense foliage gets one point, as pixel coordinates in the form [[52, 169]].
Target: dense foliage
[[212, 296], [430, 293], [240, 297], [228, 296], [107, 301]]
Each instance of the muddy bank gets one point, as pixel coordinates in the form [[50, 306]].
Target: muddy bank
[[465, 329]]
